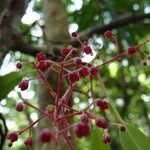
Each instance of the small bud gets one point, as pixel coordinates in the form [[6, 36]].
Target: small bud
[[84, 71], [40, 56], [64, 52], [87, 50], [102, 123], [41, 66], [78, 61], [28, 142], [103, 105], [12, 136], [84, 118], [144, 63], [50, 108], [74, 34], [73, 77], [107, 139], [132, 50], [82, 129], [108, 34], [10, 144], [24, 85], [48, 63], [19, 65], [94, 71], [74, 51], [45, 136], [122, 128], [20, 107]]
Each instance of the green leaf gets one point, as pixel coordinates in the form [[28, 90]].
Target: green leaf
[[96, 141], [8, 83], [134, 139]]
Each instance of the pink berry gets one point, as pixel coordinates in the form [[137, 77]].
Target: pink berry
[[74, 34], [103, 105], [132, 50], [107, 139], [64, 52], [28, 142], [73, 77], [102, 123], [24, 85], [82, 129], [19, 65], [84, 71], [108, 34], [40, 56], [122, 128], [45, 136], [94, 71], [20, 107], [87, 49], [12, 136], [84, 118]]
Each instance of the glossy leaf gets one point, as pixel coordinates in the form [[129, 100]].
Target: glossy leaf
[[96, 141], [8, 83], [134, 139]]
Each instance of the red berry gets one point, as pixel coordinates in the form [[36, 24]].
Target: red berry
[[108, 34], [84, 71], [122, 128], [82, 129], [41, 65], [74, 34], [73, 77], [64, 52], [132, 50], [28, 142], [102, 123], [87, 49], [78, 61], [40, 56], [45, 136], [74, 51], [19, 65], [107, 139], [20, 107], [94, 71], [102, 104], [84, 118], [24, 85], [12, 136], [48, 63]]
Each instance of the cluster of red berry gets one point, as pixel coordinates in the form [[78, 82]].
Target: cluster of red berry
[[58, 113]]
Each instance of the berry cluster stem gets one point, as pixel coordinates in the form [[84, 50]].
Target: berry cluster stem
[[31, 125], [45, 81]]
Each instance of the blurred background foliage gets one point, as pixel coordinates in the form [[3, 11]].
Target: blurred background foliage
[[127, 80]]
